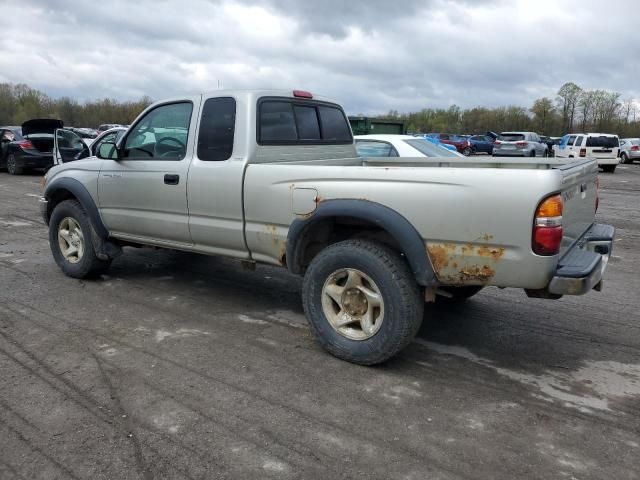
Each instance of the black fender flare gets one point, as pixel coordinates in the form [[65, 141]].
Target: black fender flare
[[408, 238], [84, 197]]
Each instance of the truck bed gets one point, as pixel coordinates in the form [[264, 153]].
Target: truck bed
[[475, 215]]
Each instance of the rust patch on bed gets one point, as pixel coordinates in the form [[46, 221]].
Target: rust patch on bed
[[439, 257], [465, 264], [279, 244]]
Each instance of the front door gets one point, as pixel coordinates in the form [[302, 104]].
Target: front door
[[143, 193]]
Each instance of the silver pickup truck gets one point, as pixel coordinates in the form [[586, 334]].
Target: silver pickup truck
[[273, 177]]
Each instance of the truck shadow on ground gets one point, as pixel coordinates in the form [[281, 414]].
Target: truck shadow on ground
[[503, 327]]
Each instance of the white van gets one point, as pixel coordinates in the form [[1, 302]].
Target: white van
[[602, 146]]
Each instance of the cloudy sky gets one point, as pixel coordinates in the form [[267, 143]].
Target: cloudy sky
[[371, 55]]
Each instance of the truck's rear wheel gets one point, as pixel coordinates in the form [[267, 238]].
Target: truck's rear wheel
[[70, 235], [609, 168], [362, 301]]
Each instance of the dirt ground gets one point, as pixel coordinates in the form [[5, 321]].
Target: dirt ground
[[181, 366]]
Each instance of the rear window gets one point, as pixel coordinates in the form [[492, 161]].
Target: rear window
[[635, 142], [335, 127], [603, 142], [291, 122], [430, 149], [511, 137], [307, 121]]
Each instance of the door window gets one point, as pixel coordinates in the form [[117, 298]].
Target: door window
[[161, 134], [572, 138]]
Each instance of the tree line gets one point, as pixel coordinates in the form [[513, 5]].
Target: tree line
[[574, 109], [19, 102]]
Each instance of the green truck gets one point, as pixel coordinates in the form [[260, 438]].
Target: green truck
[[368, 125]]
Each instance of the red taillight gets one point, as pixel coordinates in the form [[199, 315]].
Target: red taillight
[[497, 142], [547, 227], [302, 94], [635, 148], [521, 144], [583, 152], [547, 240], [25, 145]]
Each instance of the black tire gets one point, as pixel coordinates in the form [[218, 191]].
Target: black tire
[[402, 299], [609, 168], [467, 151], [12, 165], [89, 264], [459, 294], [533, 153], [624, 158]]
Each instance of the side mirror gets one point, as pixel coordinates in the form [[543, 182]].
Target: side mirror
[[108, 151]]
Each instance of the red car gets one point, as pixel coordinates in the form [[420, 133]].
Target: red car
[[462, 144]]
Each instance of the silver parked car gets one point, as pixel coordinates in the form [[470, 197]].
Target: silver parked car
[[519, 144], [629, 150]]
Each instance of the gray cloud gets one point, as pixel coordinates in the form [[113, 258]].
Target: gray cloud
[[371, 56]]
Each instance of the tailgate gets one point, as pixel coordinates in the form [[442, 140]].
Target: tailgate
[[579, 192]]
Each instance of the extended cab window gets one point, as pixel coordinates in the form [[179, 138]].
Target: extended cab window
[[292, 122], [217, 129], [161, 134]]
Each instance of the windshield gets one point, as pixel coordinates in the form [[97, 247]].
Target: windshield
[[511, 137], [603, 142], [430, 149]]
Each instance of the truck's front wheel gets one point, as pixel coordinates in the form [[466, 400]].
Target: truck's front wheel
[[362, 301], [70, 235]]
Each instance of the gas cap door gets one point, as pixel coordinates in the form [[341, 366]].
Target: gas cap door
[[304, 200]]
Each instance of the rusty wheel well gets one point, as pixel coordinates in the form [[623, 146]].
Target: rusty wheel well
[[332, 230]]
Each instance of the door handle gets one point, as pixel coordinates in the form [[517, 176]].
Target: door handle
[[171, 179]]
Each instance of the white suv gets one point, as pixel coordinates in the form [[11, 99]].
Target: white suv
[[604, 147]]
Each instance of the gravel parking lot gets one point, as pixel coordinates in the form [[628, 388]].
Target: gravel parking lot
[[182, 366]]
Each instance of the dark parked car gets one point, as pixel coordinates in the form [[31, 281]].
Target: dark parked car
[[462, 144], [482, 143], [29, 146]]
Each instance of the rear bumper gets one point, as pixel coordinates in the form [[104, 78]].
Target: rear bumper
[[608, 161], [581, 269], [510, 153], [35, 161]]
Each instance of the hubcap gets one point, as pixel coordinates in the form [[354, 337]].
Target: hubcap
[[70, 240], [11, 164], [353, 304]]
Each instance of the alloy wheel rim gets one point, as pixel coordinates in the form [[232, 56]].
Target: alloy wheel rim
[[11, 164], [353, 304], [71, 240]]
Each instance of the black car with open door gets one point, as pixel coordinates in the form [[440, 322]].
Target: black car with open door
[[31, 145]]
